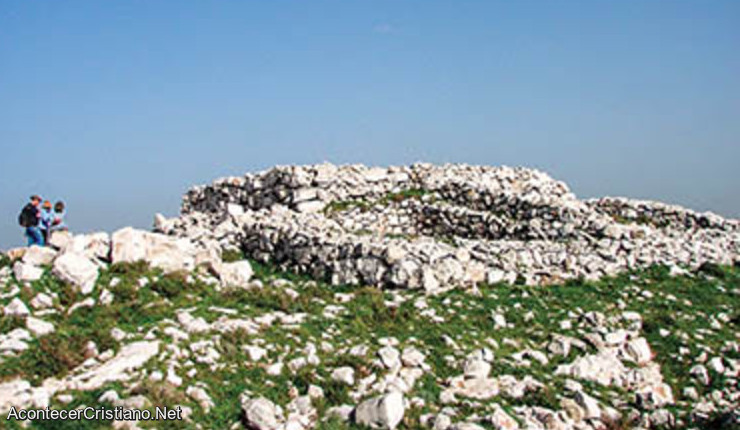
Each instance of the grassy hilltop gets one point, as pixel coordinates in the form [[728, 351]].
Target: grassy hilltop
[[684, 318]]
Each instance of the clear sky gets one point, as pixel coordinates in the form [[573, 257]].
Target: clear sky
[[118, 107]]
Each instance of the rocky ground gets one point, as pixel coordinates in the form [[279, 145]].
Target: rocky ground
[[448, 297], [250, 347]]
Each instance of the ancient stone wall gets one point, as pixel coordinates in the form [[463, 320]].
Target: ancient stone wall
[[435, 227]]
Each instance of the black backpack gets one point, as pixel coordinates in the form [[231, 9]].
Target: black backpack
[[28, 217]]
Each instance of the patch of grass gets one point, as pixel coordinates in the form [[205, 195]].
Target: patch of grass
[[5, 261], [345, 205], [267, 272], [160, 393], [641, 219], [136, 269], [52, 355], [9, 323], [711, 269], [175, 284], [413, 193], [364, 205], [233, 255]]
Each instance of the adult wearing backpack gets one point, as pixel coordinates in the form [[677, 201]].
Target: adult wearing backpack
[[30, 218]]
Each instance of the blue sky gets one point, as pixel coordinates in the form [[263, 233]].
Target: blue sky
[[118, 107]]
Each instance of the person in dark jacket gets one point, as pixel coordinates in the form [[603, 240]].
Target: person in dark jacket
[[30, 219]]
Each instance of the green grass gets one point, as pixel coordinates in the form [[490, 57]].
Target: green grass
[[365, 205], [681, 304], [5, 261]]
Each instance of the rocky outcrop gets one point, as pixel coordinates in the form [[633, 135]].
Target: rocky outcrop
[[434, 227]]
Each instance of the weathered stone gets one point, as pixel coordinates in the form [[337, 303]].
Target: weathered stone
[[412, 357], [42, 301], [345, 375], [16, 308], [60, 239], [77, 270], [236, 274], [383, 412], [590, 406], [638, 351], [39, 256], [261, 414], [476, 368], [131, 356], [39, 327], [169, 254], [92, 246], [390, 357], [25, 272], [20, 394], [655, 396]]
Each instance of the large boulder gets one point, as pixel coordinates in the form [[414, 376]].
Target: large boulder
[[60, 239], [76, 269], [382, 412], [39, 255], [94, 245], [129, 245]]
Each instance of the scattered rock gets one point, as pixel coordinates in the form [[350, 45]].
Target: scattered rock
[[236, 274], [383, 412], [26, 272], [261, 414]]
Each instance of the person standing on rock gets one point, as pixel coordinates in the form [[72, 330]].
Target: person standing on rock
[[30, 218]]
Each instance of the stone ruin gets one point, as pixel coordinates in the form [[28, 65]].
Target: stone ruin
[[439, 226]]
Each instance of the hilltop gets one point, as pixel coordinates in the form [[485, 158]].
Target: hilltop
[[447, 297]]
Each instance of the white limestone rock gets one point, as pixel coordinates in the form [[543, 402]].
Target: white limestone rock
[[76, 269], [39, 255], [261, 414], [16, 308], [390, 357], [130, 357], [39, 327], [93, 245], [382, 412], [129, 245], [42, 301], [236, 274], [20, 394], [345, 375], [26, 272]]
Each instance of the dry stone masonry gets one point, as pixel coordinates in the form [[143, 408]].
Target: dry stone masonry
[[435, 227]]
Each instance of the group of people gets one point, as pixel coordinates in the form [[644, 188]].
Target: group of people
[[40, 220]]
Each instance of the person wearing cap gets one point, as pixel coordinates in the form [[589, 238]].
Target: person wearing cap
[[47, 218], [30, 218]]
